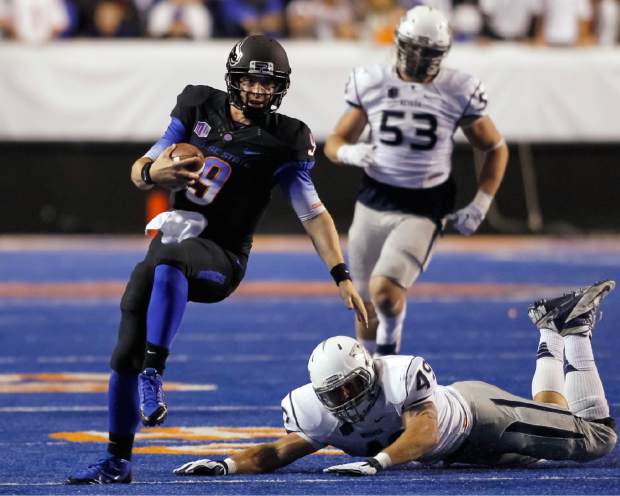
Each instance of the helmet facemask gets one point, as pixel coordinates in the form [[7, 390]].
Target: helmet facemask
[[350, 397], [418, 59], [249, 103]]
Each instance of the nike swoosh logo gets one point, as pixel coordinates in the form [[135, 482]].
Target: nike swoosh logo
[[250, 152], [149, 352], [379, 419]]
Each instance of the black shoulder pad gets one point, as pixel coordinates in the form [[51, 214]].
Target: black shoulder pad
[[192, 97], [297, 135], [195, 95]]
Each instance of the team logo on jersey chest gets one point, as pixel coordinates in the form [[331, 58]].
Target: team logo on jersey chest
[[201, 129], [392, 92]]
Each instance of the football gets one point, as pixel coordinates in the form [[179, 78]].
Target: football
[[186, 150]]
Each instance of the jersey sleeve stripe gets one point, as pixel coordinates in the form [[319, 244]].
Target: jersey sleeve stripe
[[416, 402], [356, 105], [290, 398], [300, 432], [357, 93], [407, 377], [468, 104]]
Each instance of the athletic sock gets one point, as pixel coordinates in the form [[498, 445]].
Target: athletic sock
[[155, 357], [389, 332], [549, 375], [164, 314], [584, 389], [121, 446], [123, 412]]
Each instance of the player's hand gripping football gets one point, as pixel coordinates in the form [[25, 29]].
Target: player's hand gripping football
[[202, 467], [171, 174], [353, 300], [369, 467], [468, 219]]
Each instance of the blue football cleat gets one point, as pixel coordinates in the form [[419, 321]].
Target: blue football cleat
[[573, 313], [109, 470], [153, 409]]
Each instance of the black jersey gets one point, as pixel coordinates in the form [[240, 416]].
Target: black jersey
[[242, 163]]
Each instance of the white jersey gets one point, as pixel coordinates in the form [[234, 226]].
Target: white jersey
[[412, 124], [404, 381]]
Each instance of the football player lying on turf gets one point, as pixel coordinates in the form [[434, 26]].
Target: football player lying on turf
[[392, 410]]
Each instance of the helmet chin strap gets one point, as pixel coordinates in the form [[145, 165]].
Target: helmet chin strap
[[253, 113]]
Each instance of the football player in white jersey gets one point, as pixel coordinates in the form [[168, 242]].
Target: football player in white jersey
[[392, 410], [413, 109]]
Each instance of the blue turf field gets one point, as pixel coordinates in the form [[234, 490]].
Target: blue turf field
[[253, 351]]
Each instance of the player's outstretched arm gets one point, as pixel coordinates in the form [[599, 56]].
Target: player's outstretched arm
[[418, 438], [322, 231], [257, 459], [483, 135], [341, 146], [164, 172]]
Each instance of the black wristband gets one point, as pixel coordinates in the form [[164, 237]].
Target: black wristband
[[374, 463], [145, 173], [224, 467], [340, 273]]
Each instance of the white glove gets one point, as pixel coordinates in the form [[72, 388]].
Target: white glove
[[369, 467], [469, 218], [360, 154], [205, 467]]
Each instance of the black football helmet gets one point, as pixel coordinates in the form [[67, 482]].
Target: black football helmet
[[257, 55]]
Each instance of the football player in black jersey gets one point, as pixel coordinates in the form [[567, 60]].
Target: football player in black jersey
[[201, 251]]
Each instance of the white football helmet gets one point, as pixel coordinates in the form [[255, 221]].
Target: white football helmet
[[422, 40], [343, 377]]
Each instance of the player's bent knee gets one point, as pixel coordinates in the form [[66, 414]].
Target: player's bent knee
[[128, 355], [138, 290], [388, 298], [604, 442], [173, 254], [388, 304]]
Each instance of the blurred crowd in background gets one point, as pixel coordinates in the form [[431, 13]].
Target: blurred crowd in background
[[543, 22]]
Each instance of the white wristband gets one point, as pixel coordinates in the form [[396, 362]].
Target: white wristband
[[343, 155], [232, 466], [482, 201], [384, 459]]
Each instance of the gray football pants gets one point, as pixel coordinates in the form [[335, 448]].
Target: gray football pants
[[510, 430]]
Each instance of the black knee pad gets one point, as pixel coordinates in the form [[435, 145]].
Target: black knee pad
[[138, 290], [128, 356]]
